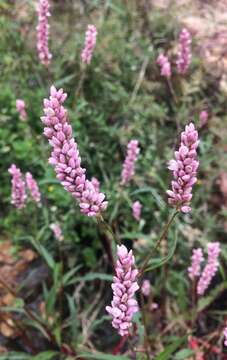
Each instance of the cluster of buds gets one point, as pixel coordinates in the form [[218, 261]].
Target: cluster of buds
[[184, 53], [18, 193], [123, 305], [183, 56], [128, 169], [184, 169], [21, 108], [43, 32], [33, 187], [165, 65], [203, 117], [65, 156], [136, 210], [210, 269], [90, 42], [57, 231], [196, 260]]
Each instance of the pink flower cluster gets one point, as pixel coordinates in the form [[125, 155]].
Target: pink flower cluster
[[225, 336], [165, 65], [123, 305], [203, 117], [184, 53], [136, 210], [20, 106], [65, 156], [184, 170], [210, 269], [43, 32], [18, 194], [146, 288], [196, 260], [129, 164], [33, 187], [57, 231], [90, 42]]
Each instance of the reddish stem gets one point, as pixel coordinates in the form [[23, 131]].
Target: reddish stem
[[119, 345]]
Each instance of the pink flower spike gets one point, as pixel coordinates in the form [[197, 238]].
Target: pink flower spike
[[184, 53], [57, 231], [43, 32], [196, 260], [65, 156], [210, 269], [33, 187], [20, 106], [18, 194], [184, 169], [90, 42], [124, 305], [136, 210], [225, 335], [203, 117], [165, 65], [146, 288], [128, 170]]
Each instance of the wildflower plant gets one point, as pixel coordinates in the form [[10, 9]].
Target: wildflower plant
[[96, 299]]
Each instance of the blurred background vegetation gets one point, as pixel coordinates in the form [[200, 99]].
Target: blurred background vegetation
[[123, 97]]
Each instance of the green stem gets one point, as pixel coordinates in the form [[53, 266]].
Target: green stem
[[80, 84], [144, 320], [194, 302], [171, 89], [107, 228], [163, 235]]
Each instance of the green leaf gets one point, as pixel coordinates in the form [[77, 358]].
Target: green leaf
[[154, 193], [101, 356], [73, 317], [161, 261], [44, 253], [15, 356], [64, 80], [46, 355], [170, 349], [91, 277], [69, 275], [183, 354], [207, 300], [135, 235]]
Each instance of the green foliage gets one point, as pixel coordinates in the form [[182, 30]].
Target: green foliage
[[170, 349], [122, 97]]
